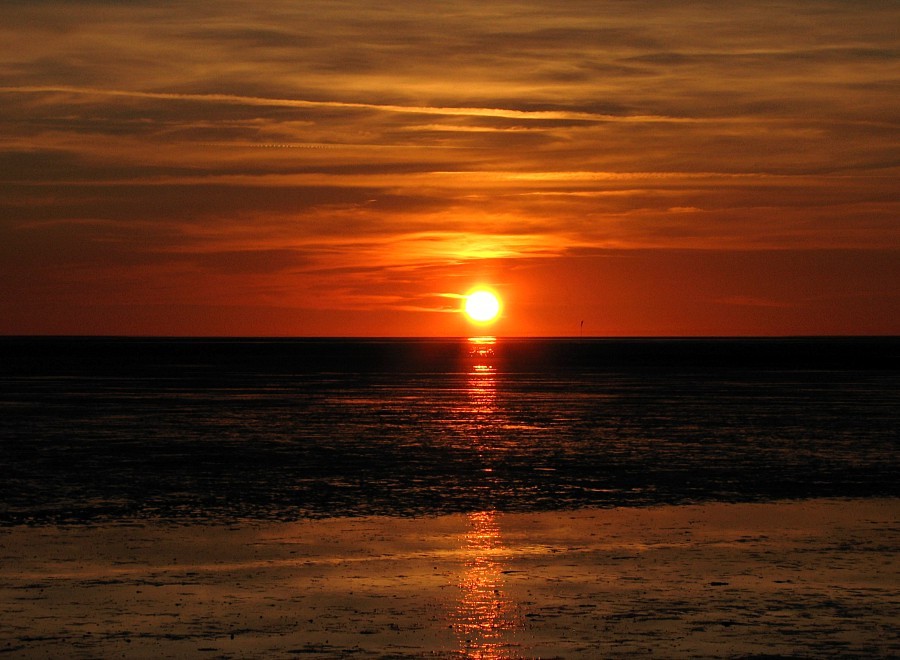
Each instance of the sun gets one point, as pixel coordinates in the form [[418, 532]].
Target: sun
[[482, 306]]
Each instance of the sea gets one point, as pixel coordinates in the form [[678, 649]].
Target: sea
[[212, 430]]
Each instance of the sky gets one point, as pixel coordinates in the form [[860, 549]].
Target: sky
[[354, 168]]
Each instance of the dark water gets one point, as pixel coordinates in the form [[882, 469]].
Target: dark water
[[176, 429]]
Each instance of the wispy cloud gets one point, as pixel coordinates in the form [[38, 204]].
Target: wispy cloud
[[502, 113]]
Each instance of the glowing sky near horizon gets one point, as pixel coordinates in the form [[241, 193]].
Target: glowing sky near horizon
[[335, 168]]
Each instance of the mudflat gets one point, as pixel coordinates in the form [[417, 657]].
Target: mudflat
[[808, 578]]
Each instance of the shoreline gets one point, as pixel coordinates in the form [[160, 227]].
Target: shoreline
[[809, 578]]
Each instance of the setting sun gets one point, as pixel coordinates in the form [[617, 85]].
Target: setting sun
[[482, 306]]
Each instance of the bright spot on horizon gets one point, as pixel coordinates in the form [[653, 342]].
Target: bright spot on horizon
[[482, 306]]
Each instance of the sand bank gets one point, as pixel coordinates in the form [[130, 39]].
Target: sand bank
[[811, 579]]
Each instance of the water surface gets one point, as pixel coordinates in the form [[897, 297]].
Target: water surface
[[212, 430]]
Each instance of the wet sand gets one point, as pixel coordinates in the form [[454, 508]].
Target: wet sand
[[804, 579]]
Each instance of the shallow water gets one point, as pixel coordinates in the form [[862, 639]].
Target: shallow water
[[108, 429], [807, 579]]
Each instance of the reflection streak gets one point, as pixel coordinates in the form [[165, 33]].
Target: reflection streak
[[486, 620], [481, 380]]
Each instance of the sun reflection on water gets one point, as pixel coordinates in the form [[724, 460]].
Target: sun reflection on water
[[482, 391], [481, 382], [486, 619]]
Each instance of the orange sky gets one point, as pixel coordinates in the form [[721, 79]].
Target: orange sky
[[352, 168]]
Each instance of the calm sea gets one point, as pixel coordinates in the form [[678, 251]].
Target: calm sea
[[269, 429]]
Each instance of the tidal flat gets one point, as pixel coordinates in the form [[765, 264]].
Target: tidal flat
[[806, 578]]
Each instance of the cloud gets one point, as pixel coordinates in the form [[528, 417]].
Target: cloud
[[450, 111], [260, 149]]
